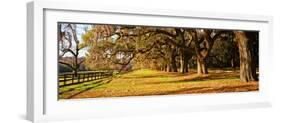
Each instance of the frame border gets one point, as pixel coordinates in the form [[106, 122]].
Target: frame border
[[35, 36]]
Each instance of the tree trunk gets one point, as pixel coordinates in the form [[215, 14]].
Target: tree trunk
[[165, 68], [182, 62], [247, 66], [201, 66], [173, 61], [76, 66], [169, 68], [253, 38], [232, 64], [173, 66], [186, 66]]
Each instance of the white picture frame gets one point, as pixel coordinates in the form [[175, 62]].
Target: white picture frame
[[42, 101]]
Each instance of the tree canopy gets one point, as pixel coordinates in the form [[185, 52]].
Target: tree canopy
[[171, 49]]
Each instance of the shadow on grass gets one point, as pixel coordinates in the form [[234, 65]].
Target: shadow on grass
[[183, 90], [96, 84], [79, 85], [159, 75], [200, 78], [239, 88], [141, 77]]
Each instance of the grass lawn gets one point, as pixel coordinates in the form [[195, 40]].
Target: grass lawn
[[151, 82]]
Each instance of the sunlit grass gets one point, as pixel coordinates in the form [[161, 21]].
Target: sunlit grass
[[152, 82]]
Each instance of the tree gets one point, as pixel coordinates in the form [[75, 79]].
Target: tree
[[224, 53], [168, 49], [203, 43], [69, 44], [121, 44], [247, 64], [183, 42]]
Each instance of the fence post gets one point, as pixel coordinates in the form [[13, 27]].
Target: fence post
[[85, 77], [78, 78], [73, 76], [90, 76], [64, 79]]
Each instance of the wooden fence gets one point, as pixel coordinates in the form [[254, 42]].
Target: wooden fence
[[70, 78]]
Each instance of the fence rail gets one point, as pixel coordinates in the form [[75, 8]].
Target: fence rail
[[70, 78]]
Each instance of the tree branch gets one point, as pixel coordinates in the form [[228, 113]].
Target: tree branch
[[66, 51]]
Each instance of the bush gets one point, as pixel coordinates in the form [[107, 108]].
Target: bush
[[64, 68]]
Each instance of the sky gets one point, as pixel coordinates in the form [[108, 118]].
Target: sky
[[80, 30]]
